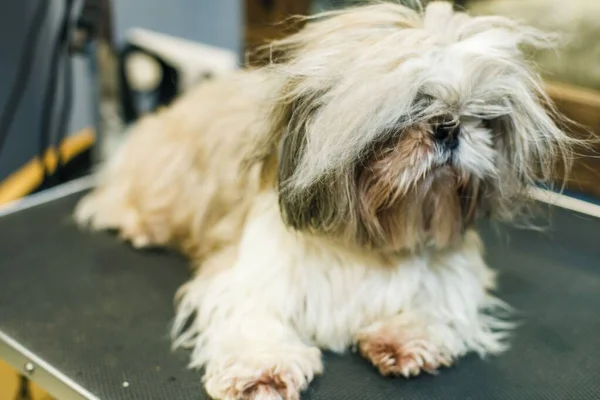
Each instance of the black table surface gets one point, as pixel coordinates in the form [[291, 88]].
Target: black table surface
[[99, 312]]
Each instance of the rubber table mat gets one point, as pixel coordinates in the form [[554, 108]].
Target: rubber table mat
[[99, 312]]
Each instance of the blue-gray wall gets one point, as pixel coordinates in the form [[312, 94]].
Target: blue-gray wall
[[216, 22]]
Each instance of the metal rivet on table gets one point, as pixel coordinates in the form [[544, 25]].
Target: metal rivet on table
[[29, 367]]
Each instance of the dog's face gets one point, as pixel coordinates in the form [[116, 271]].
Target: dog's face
[[397, 129]]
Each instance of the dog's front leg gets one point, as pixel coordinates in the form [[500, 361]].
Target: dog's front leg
[[451, 313], [244, 303], [260, 359], [247, 349], [413, 342]]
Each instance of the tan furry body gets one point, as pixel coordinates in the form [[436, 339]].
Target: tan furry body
[[182, 179]]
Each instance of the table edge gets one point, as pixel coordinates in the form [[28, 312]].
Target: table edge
[[55, 193], [38, 370]]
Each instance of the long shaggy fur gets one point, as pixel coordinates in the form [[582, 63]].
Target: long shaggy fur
[[328, 198]]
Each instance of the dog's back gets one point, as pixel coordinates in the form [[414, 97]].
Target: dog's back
[[180, 178]]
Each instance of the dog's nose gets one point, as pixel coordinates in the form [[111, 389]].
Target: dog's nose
[[447, 134]]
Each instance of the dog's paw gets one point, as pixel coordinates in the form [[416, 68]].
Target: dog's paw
[[100, 211], [86, 211], [260, 378], [270, 385], [403, 357]]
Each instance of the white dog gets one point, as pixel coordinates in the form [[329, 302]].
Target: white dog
[[328, 198]]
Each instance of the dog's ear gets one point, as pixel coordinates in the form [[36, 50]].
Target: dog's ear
[[325, 206], [282, 147], [291, 120]]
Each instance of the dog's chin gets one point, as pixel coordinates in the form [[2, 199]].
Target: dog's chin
[[433, 214]]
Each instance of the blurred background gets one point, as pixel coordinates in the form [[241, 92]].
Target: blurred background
[[77, 73]]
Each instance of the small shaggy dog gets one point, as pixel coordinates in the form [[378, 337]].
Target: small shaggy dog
[[327, 199]]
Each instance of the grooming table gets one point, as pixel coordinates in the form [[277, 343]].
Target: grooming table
[[88, 317]]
